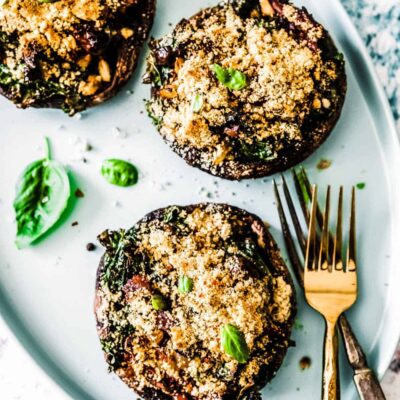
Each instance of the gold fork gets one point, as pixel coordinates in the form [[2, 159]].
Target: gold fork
[[330, 284]]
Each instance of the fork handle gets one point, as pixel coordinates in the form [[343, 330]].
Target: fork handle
[[368, 386], [330, 378], [367, 383]]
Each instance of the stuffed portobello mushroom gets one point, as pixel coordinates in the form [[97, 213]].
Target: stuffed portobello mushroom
[[194, 303], [247, 88], [69, 54]]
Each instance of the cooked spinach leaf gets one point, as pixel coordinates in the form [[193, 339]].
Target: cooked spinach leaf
[[120, 261], [258, 150]]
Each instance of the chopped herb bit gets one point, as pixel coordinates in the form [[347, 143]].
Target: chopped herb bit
[[230, 77], [324, 164], [158, 302], [234, 343], [185, 284], [298, 325], [197, 103], [360, 185]]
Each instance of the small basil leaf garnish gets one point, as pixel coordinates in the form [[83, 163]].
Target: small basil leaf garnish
[[230, 77], [234, 343], [158, 302], [119, 172], [42, 194], [185, 284], [197, 103]]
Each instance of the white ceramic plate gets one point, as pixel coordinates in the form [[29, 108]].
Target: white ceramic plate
[[46, 292]]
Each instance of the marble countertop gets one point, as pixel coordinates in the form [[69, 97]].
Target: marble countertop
[[378, 24]]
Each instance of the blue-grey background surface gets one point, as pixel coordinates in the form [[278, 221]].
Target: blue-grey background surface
[[378, 22]]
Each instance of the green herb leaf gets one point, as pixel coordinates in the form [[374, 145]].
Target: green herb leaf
[[230, 77], [197, 103], [119, 172], [234, 343], [303, 187], [361, 185], [185, 284], [158, 302], [42, 195], [298, 325]]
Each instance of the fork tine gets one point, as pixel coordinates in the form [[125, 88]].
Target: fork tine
[[311, 242], [323, 261], [351, 251], [337, 261], [296, 223], [290, 244], [307, 185]]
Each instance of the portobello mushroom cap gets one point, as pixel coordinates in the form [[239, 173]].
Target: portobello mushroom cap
[[247, 88], [70, 54], [166, 288]]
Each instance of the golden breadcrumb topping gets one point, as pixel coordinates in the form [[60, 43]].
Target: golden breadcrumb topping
[[181, 343]]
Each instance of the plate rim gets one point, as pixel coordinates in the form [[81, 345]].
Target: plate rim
[[377, 97]]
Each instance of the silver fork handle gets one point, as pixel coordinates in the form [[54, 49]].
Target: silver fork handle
[[366, 381], [330, 377], [368, 386]]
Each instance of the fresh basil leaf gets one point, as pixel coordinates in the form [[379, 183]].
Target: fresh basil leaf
[[42, 195], [234, 343], [221, 73], [185, 284], [119, 172], [197, 103], [230, 77], [158, 302]]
